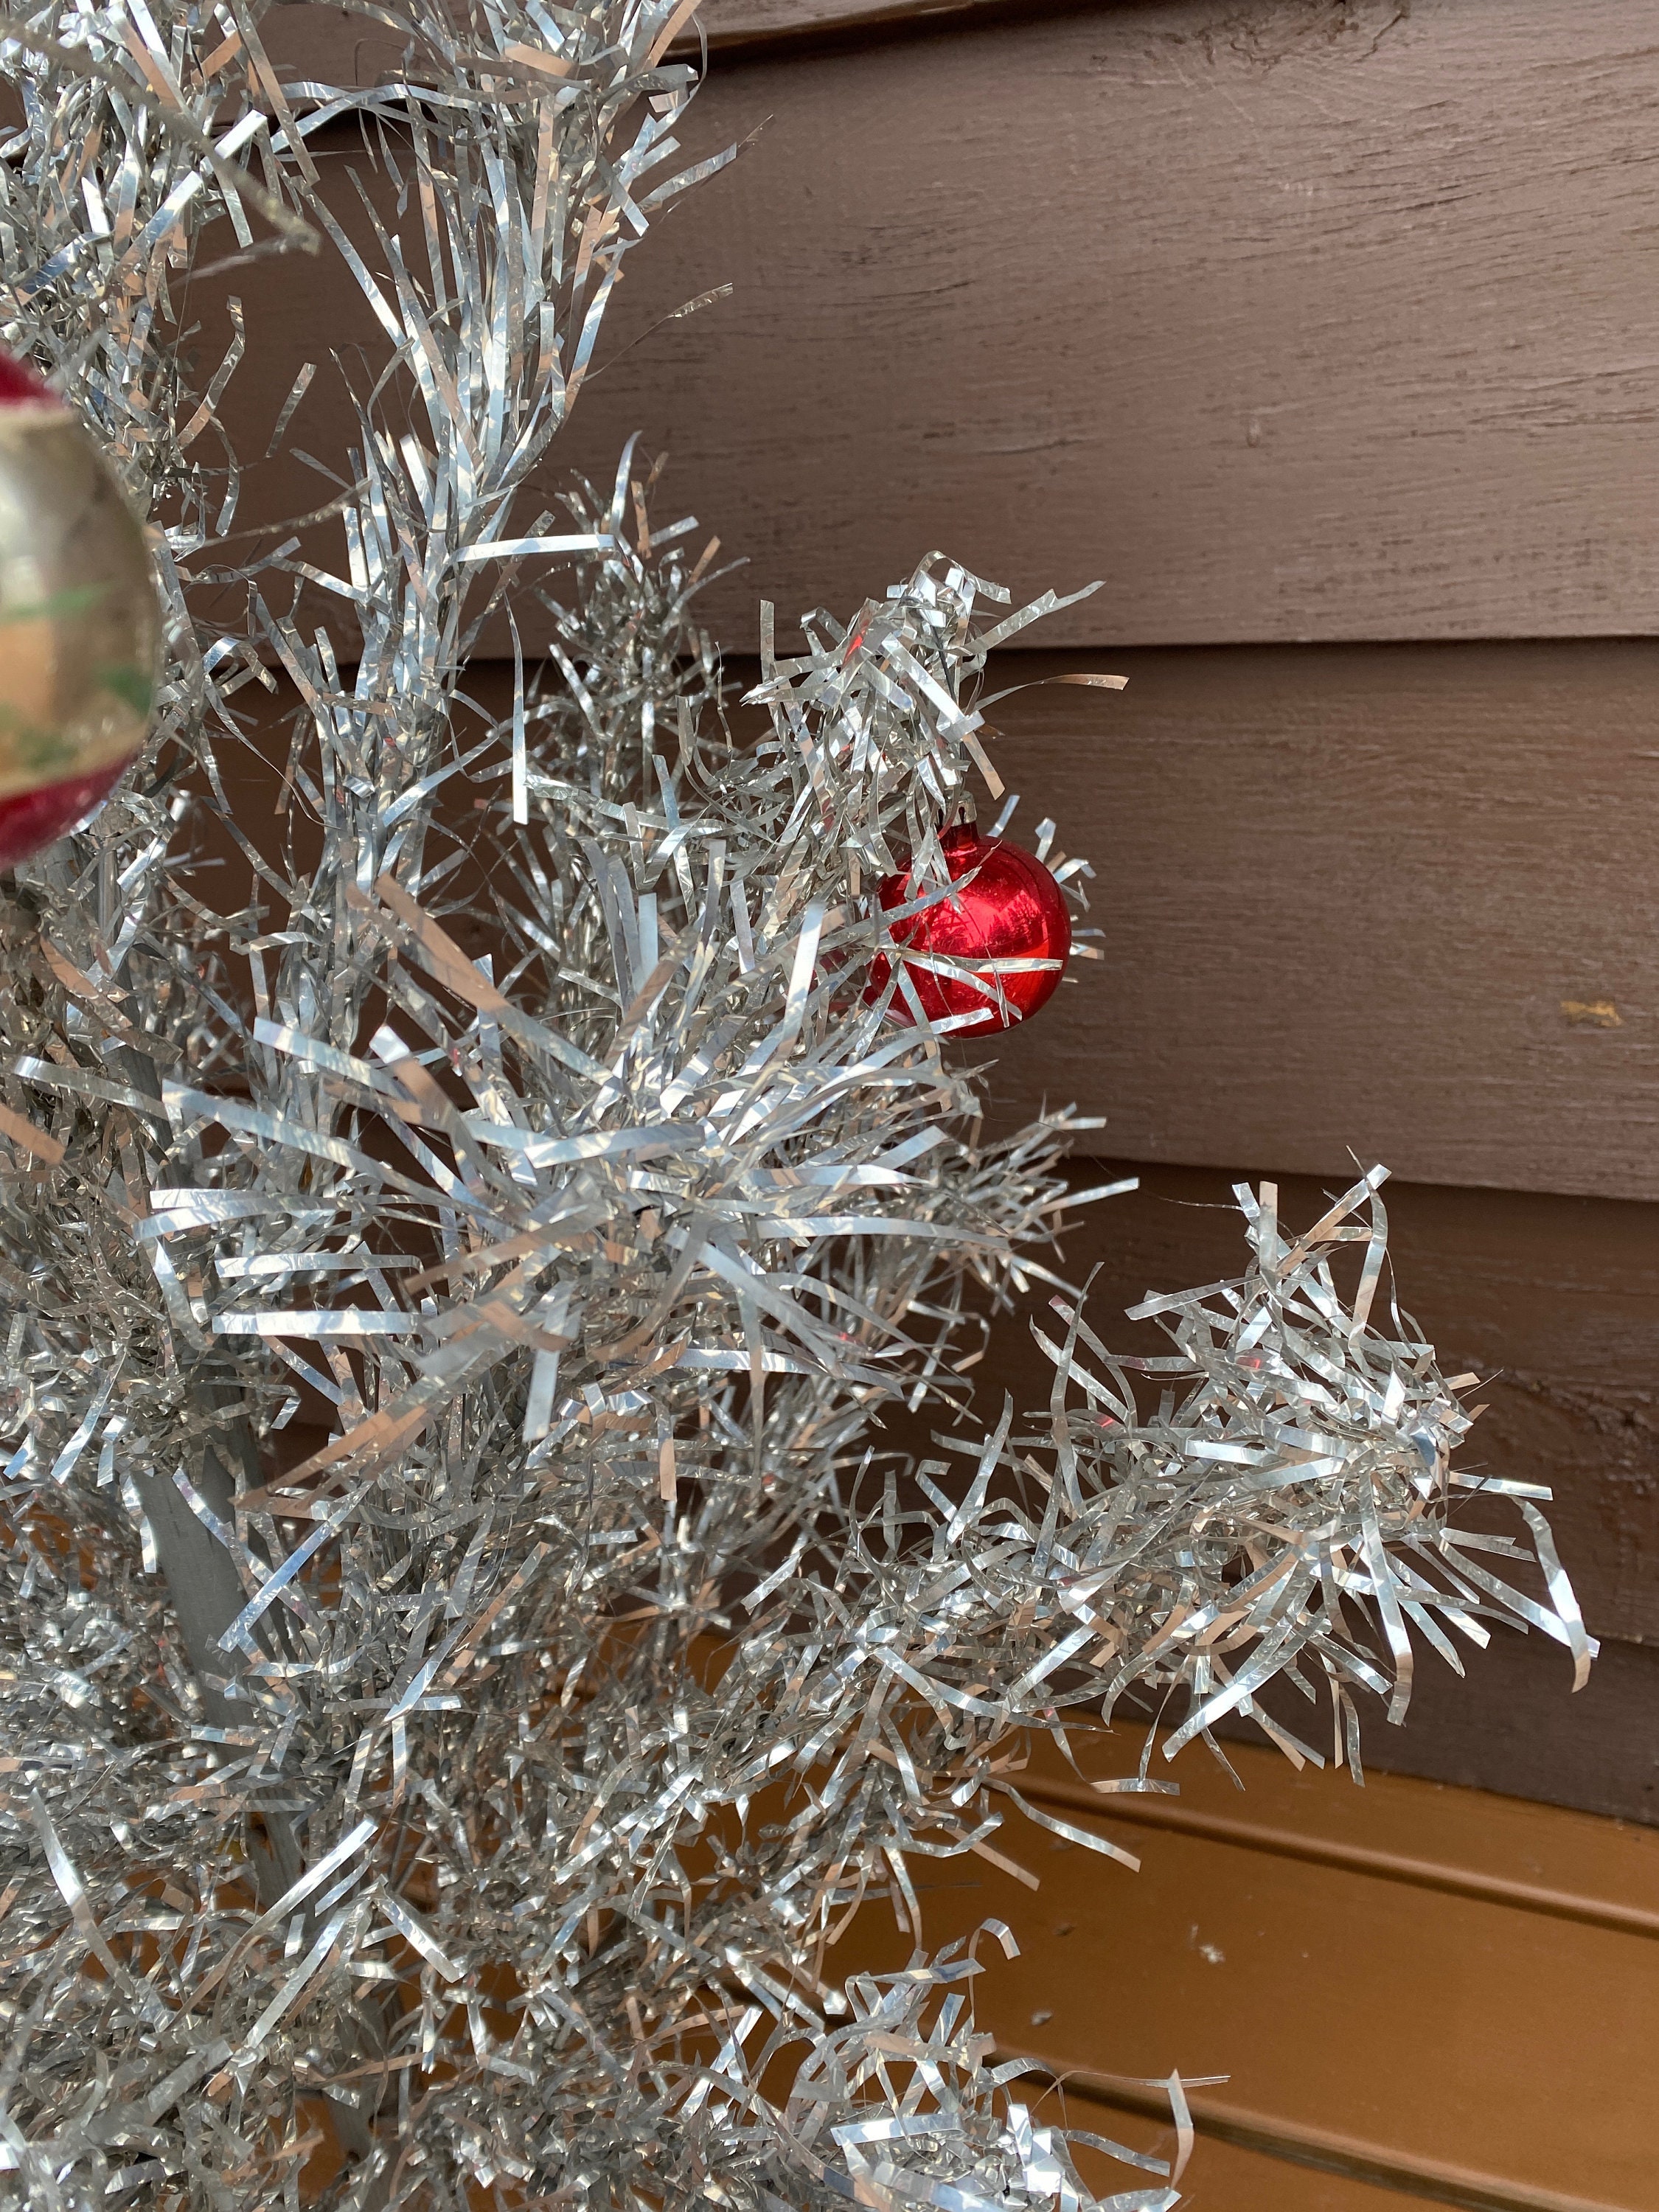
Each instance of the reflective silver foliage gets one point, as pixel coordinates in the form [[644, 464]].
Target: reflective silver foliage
[[471, 1804]]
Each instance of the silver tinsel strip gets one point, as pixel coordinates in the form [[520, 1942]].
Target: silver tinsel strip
[[474, 1802]]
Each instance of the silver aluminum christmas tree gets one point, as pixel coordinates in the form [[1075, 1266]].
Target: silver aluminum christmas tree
[[469, 1805]]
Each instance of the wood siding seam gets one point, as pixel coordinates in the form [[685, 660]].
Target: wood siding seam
[[1325, 2150], [1354, 1858], [743, 30]]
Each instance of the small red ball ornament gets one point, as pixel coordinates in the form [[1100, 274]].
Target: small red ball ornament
[[1008, 907], [79, 624]]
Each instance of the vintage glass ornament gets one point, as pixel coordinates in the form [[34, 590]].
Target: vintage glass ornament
[[79, 624], [1008, 907]]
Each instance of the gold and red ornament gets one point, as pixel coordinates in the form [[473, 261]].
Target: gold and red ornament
[[79, 625], [1004, 907]]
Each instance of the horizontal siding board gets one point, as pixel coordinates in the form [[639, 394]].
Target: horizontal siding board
[[1514, 1727], [1227, 2177], [1372, 900], [1458, 1840], [1310, 2149], [729, 24], [1355, 900], [1285, 321], [1364, 1852]]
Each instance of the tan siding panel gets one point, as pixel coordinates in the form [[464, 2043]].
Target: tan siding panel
[[1430, 2045]]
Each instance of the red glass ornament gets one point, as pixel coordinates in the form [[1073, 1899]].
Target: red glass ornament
[[30, 819], [1011, 909], [19, 383]]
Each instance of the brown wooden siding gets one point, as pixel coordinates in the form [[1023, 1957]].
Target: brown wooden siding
[[1401, 901], [1287, 320]]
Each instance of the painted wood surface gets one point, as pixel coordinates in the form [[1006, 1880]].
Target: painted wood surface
[[1284, 319], [1513, 1727], [1397, 902], [1228, 2177], [1378, 2033]]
